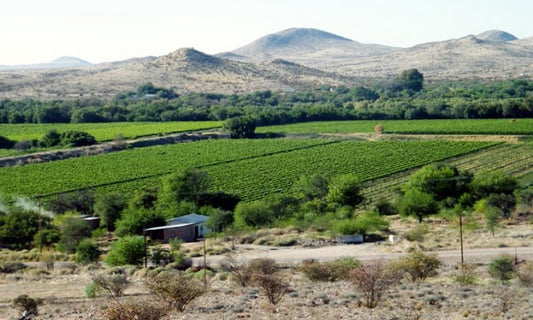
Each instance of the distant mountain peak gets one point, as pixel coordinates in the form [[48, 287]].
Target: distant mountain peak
[[191, 56], [70, 61], [496, 35]]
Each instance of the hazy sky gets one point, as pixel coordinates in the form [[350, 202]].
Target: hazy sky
[[34, 31]]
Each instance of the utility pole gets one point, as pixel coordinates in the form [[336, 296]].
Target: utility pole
[[145, 250], [461, 235], [205, 265], [39, 223]]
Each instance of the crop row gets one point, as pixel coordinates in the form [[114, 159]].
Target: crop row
[[440, 126], [104, 131], [259, 177], [136, 164]]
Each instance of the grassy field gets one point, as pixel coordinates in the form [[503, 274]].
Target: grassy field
[[445, 126], [104, 131], [250, 168]]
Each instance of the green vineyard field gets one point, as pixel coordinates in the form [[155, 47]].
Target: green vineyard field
[[444, 126], [251, 168], [104, 131]]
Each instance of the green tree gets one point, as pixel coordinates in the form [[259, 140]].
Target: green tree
[[18, 227], [312, 187], [77, 139], [344, 190], [187, 185], [134, 221], [418, 204], [411, 79], [488, 182], [440, 180], [109, 206], [73, 231], [127, 250], [255, 214], [219, 219], [240, 127], [143, 198], [5, 143]]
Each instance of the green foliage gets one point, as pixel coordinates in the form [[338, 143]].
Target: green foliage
[[87, 252], [77, 139], [134, 221], [418, 204], [505, 202], [50, 139], [219, 219], [343, 190], [109, 206], [488, 182], [440, 181], [18, 227], [114, 284], [466, 275], [417, 265], [143, 198], [362, 224], [240, 127], [492, 216], [254, 214], [92, 290], [187, 185], [127, 250], [502, 268], [385, 207], [312, 187], [411, 79], [73, 231]]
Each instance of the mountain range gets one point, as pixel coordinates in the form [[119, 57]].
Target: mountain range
[[287, 60]]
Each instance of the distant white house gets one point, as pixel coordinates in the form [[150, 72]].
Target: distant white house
[[187, 228]]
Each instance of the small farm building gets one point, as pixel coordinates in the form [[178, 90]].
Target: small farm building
[[187, 228]]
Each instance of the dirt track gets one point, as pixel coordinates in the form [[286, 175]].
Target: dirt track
[[364, 252]]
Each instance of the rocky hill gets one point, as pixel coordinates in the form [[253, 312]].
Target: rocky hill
[[291, 59], [184, 70], [59, 63]]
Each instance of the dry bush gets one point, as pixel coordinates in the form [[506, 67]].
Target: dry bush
[[239, 271], [143, 310], [275, 286], [328, 271], [175, 289], [417, 265], [26, 304], [378, 129], [113, 284], [263, 266], [372, 280], [525, 274]]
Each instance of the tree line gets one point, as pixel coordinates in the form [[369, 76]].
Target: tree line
[[405, 97]]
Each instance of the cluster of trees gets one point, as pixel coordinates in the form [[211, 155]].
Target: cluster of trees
[[438, 188], [406, 97], [51, 138]]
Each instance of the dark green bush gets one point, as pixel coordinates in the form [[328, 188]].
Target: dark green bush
[[77, 139], [127, 250], [328, 271], [87, 252], [502, 268], [417, 265]]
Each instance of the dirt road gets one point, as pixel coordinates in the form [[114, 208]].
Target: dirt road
[[363, 252]]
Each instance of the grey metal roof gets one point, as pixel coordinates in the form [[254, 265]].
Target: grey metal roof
[[169, 226], [190, 218]]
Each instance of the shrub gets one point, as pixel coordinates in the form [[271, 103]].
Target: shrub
[[273, 285], [73, 231], [525, 274], [50, 139], [133, 221], [113, 284], [417, 265], [87, 252], [502, 268], [144, 310], [253, 214], [12, 267], [466, 275], [175, 289], [25, 303], [180, 261], [372, 280], [5, 143], [328, 271], [417, 233], [239, 271], [263, 266], [92, 290], [127, 250], [240, 127], [77, 139], [385, 208]]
